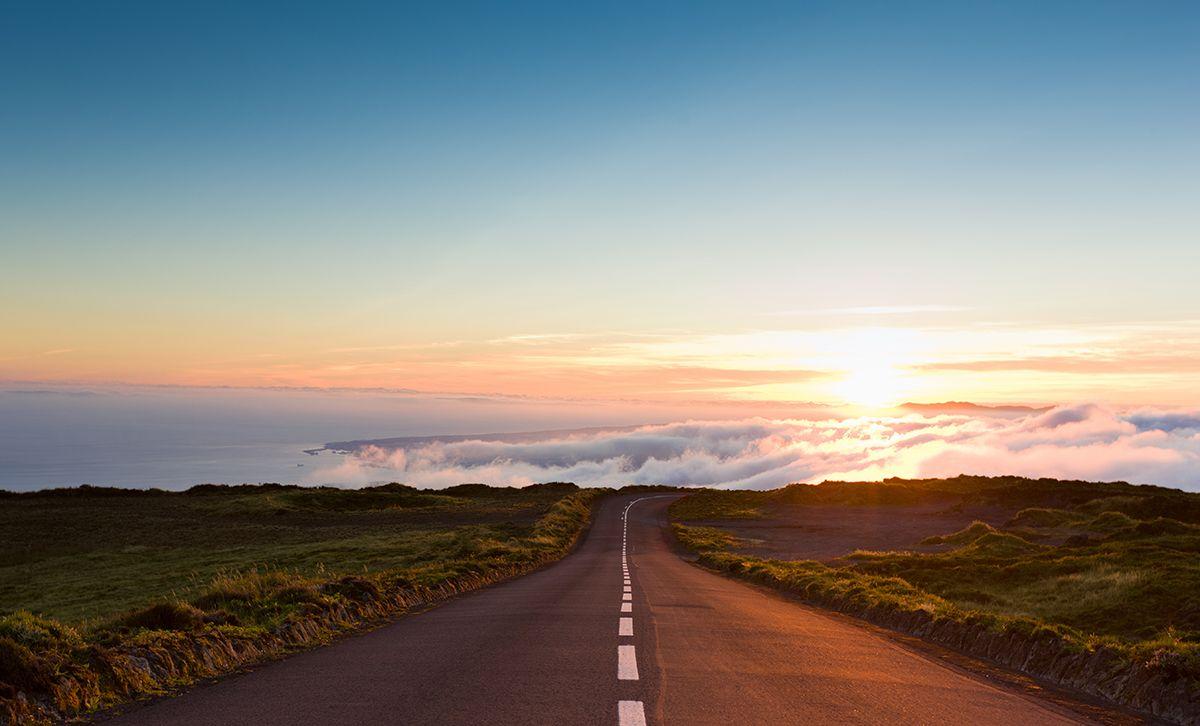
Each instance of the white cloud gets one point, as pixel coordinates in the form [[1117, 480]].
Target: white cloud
[[1085, 441]]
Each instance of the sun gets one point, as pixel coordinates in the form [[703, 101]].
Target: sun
[[873, 365], [873, 385]]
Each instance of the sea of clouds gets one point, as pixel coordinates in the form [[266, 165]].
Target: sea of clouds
[[1071, 442]]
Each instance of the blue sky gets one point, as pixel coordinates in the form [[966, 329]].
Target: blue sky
[[190, 188]]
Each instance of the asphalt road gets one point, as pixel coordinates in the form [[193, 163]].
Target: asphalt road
[[581, 643]]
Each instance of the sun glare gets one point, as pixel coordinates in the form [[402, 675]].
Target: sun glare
[[872, 362], [877, 386]]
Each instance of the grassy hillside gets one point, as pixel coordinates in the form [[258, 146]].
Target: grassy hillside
[[111, 594], [1096, 566], [962, 491]]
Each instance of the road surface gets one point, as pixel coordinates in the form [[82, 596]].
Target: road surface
[[606, 637]]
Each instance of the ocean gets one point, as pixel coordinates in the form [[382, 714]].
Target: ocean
[[176, 437], [173, 438]]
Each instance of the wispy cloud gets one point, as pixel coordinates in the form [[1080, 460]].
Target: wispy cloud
[[1082, 363], [879, 353], [40, 354], [399, 346], [873, 310]]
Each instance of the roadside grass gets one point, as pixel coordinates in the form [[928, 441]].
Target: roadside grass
[[1123, 577], [718, 504], [703, 539], [114, 595], [1127, 585]]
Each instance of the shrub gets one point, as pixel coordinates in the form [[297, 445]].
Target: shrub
[[1042, 518], [1163, 527], [703, 539], [165, 616], [1110, 522], [298, 594], [20, 667], [36, 632], [966, 535], [353, 588], [1000, 544]]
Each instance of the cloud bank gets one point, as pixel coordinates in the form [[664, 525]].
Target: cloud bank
[[1071, 442]]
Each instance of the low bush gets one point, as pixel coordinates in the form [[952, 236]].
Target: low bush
[[22, 669], [1042, 518], [703, 539], [164, 616], [967, 535]]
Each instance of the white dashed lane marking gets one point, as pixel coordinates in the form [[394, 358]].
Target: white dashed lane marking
[[631, 713], [627, 663]]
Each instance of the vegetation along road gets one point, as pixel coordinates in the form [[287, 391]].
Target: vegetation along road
[[621, 631]]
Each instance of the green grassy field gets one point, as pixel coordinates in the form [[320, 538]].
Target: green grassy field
[[1108, 565], [84, 555], [107, 595]]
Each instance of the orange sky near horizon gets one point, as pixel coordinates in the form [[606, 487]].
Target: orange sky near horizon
[[870, 359]]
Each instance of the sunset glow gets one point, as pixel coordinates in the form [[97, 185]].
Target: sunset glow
[[873, 365], [710, 212]]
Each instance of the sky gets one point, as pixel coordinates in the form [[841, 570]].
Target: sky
[[859, 203]]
